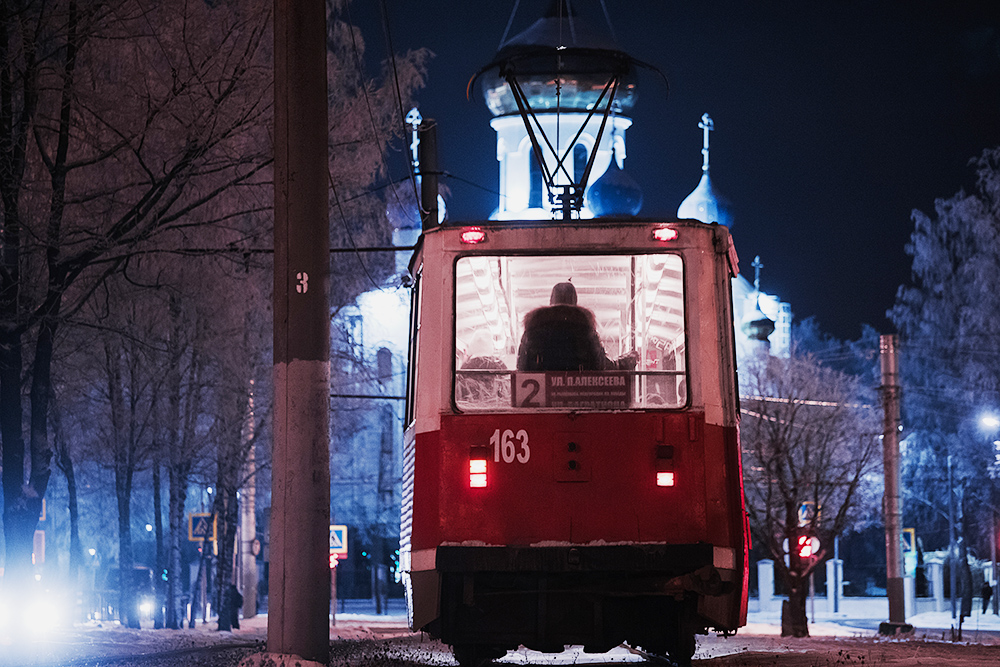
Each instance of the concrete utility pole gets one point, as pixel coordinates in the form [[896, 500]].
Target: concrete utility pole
[[890, 458], [298, 601]]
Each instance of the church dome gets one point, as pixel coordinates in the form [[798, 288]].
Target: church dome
[[705, 204], [615, 193], [558, 46]]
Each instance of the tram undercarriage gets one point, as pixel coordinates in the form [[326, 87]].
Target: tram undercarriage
[[496, 598]]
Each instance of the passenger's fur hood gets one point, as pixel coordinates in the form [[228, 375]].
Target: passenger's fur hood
[[561, 313]]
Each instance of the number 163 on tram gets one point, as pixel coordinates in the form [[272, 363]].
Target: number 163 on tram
[[571, 457]]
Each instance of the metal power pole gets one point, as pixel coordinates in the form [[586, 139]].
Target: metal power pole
[[299, 593], [890, 457]]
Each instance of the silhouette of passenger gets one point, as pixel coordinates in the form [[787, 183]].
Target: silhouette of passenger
[[563, 337], [483, 388]]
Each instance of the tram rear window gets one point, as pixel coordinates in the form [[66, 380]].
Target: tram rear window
[[570, 331]]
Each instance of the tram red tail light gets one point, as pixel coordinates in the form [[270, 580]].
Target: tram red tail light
[[477, 467], [477, 473], [665, 234], [472, 235], [665, 465]]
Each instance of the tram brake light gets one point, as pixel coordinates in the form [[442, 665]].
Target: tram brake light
[[665, 234], [472, 235], [477, 467], [665, 465]]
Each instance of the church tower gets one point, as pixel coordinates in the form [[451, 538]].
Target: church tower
[[761, 320], [550, 83]]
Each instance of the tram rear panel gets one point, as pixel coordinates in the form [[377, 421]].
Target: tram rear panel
[[590, 506]]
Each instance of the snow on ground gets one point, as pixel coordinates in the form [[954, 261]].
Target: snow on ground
[[856, 624]]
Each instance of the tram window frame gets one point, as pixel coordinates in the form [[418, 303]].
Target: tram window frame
[[411, 370], [682, 384]]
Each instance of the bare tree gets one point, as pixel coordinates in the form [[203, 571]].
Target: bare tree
[[811, 459], [122, 124], [127, 412]]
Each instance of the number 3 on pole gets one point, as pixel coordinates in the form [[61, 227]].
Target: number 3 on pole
[[303, 285], [504, 446]]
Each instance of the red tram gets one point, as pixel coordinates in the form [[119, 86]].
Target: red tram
[[549, 506]]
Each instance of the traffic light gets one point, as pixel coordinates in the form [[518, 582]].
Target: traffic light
[[808, 546]]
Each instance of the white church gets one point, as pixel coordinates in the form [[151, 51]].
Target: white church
[[611, 191], [373, 332]]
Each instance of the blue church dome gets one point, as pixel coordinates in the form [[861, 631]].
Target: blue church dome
[[614, 193], [704, 203]]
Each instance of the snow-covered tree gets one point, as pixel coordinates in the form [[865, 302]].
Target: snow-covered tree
[[949, 324]]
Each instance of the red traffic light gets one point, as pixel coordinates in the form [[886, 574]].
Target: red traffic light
[[808, 546]]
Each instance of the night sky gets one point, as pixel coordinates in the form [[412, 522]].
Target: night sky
[[833, 122]]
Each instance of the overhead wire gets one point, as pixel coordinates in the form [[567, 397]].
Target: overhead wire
[[510, 22], [607, 17], [359, 66], [347, 228], [399, 97]]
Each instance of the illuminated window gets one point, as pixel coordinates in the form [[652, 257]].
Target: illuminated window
[[637, 305], [579, 161], [534, 182]]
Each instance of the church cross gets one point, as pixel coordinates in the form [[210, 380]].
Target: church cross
[[706, 124]]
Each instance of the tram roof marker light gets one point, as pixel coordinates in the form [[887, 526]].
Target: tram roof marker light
[[665, 234], [472, 235]]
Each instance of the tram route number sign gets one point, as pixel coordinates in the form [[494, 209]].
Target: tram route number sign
[[580, 389]]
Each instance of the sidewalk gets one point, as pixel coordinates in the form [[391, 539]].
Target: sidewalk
[[861, 615], [856, 615], [357, 619]]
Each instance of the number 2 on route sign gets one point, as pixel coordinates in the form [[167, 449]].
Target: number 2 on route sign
[[338, 540]]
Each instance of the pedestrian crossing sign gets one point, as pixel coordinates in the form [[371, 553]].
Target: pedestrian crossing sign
[[338, 540], [201, 527]]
